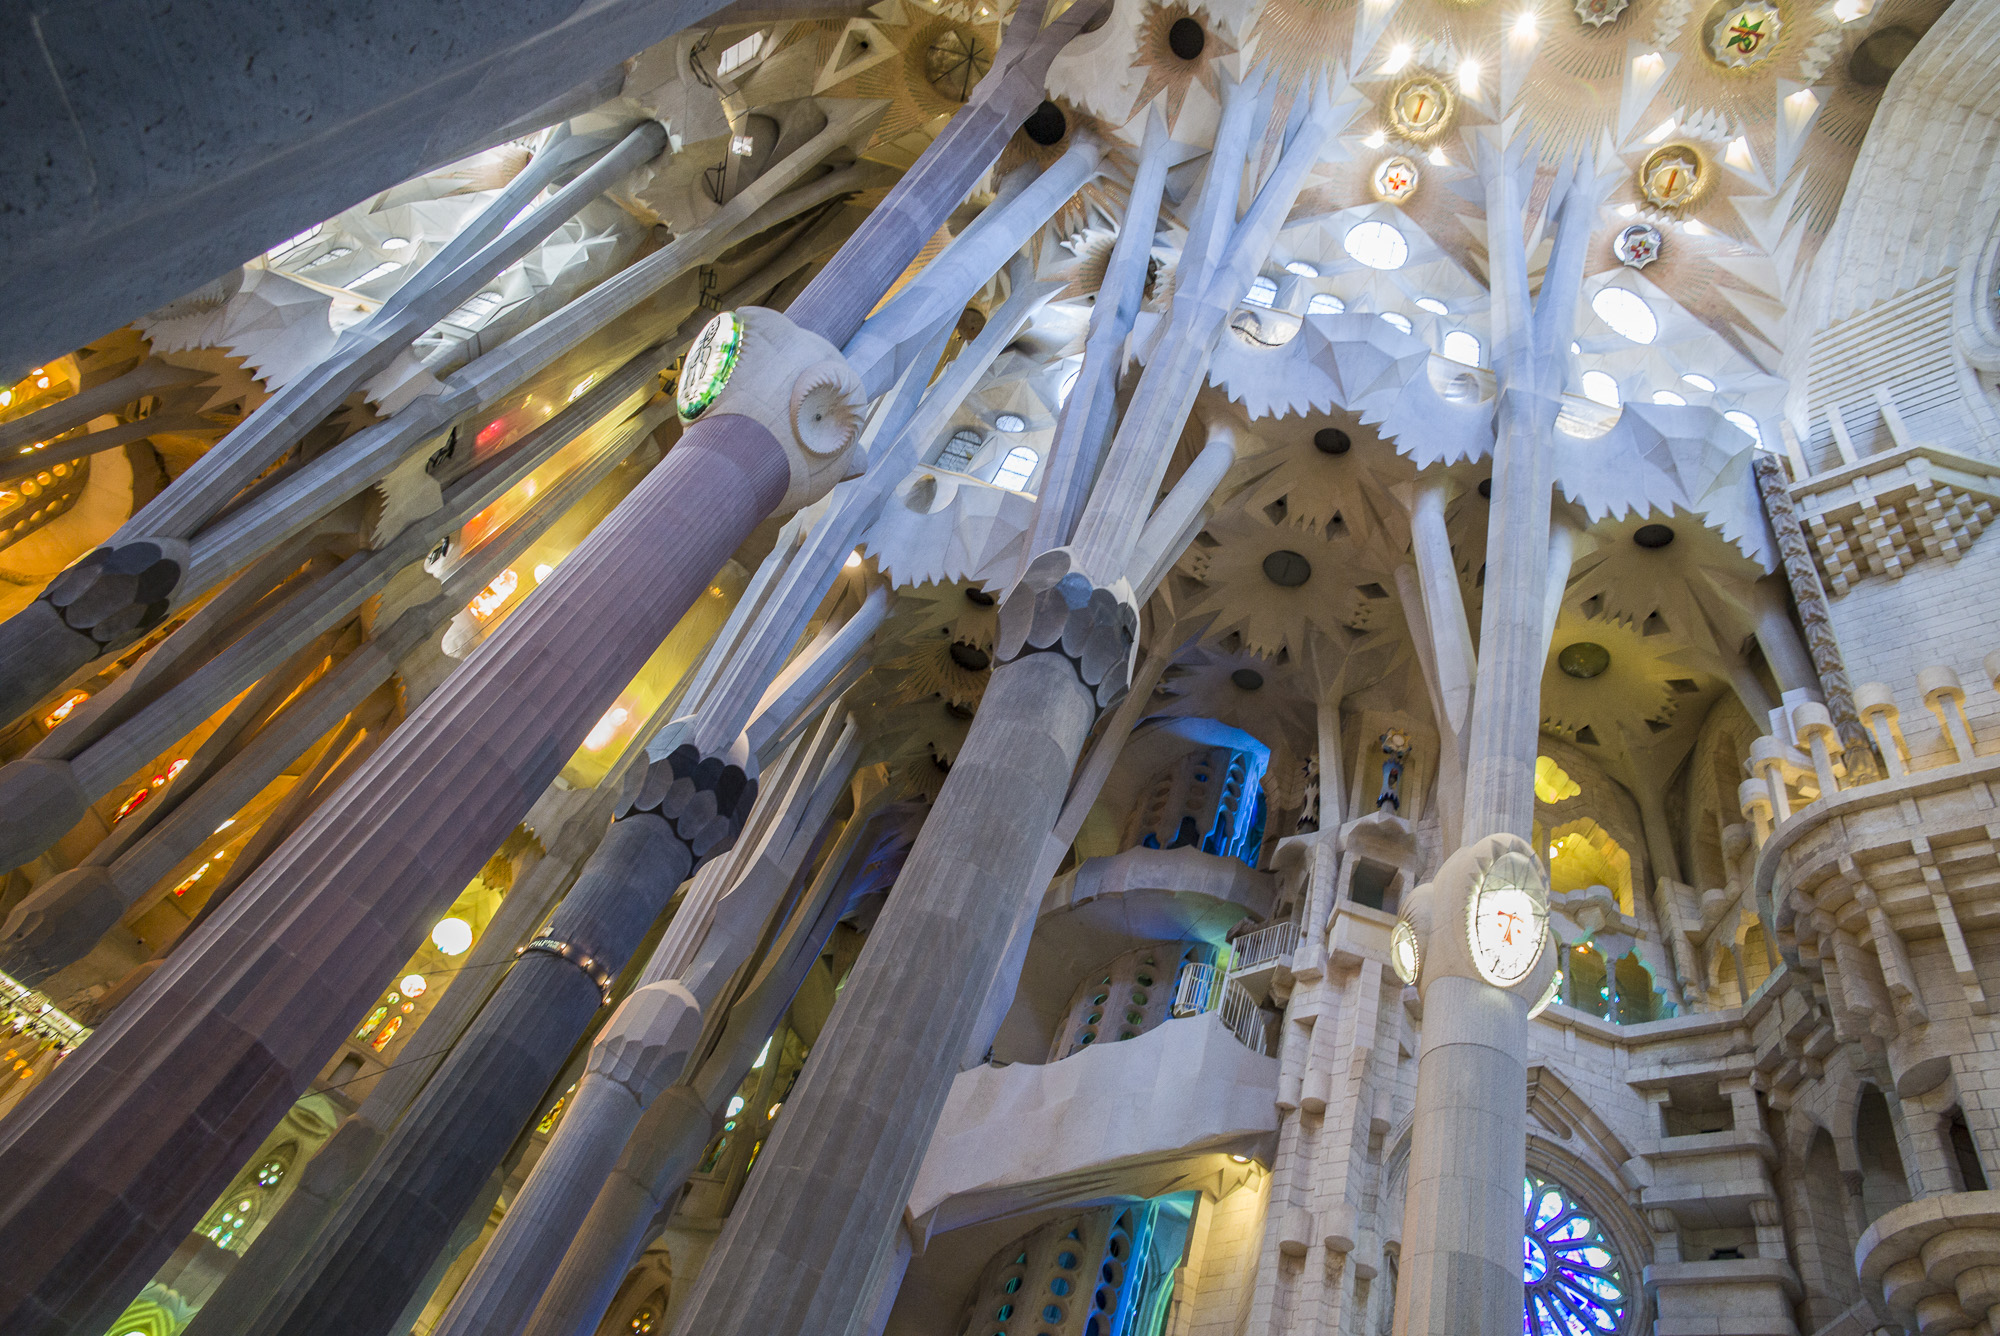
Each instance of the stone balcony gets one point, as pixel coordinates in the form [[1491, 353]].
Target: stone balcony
[[1153, 1114], [1110, 905], [1936, 1262]]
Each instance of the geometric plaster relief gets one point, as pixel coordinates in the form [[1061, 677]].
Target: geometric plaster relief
[[1885, 512]]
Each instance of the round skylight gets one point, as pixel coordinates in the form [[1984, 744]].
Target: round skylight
[[1702, 383], [1600, 388], [1669, 397], [1262, 292], [1377, 245], [1010, 422], [1325, 303], [1396, 320], [1433, 305], [1741, 420], [1301, 268], [1627, 313]]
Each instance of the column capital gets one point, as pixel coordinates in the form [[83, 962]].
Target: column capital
[[1060, 609], [754, 362], [704, 800]]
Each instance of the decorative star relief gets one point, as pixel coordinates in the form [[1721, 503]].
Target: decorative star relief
[[1597, 13]]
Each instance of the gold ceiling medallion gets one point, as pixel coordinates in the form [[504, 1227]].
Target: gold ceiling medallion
[[1597, 13], [1421, 109], [1745, 35], [1395, 179], [1672, 176]]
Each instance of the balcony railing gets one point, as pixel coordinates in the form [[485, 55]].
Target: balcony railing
[[1273, 942], [1204, 988]]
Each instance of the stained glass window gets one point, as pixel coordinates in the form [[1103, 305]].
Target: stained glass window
[[1575, 1280]]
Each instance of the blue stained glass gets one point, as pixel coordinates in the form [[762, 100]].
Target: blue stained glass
[[1575, 1281]]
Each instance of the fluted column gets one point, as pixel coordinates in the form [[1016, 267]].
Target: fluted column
[[378, 1246], [145, 1124], [328, 1176], [808, 1235]]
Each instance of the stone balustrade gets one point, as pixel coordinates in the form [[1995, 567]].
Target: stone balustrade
[[1801, 761]]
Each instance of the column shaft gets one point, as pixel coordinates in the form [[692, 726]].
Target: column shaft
[[113, 1161], [819, 1216], [374, 1252]]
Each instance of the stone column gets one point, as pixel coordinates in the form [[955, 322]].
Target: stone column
[[328, 1176], [501, 1292], [1802, 575], [1461, 1259], [379, 1244], [810, 1239], [139, 1131], [810, 1235], [668, 1140], [83, 616], [142, 1127]]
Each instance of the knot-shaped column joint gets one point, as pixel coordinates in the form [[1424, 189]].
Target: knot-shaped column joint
[[1057, 608]]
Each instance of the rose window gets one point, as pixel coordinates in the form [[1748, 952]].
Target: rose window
[[1575, 1280]]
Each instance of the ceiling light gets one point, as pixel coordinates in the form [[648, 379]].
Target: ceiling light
[[1524, 24], [606, 728], [395, 243], [1847, 11], [1700, 382], [1376, 140], [1628, 210], [1399, 56], [853, 561], [1468, 77], [1662, 130], [1738, 155], [543, 571], [1438, 159], [1744, 423], [1694, 227]]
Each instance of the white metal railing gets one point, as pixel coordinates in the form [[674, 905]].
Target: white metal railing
[[1196, 991], [1241, 1018], [1274, 941]]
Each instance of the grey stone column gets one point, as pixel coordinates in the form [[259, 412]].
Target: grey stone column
[[376, 1249], [1461, 1260], [113, 1160], [806, 1244], [667, 1142]]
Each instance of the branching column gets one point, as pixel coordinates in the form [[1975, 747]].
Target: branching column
[[112, 1160], [1461, 1269]]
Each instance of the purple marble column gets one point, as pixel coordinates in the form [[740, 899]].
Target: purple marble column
[[112, 1160]]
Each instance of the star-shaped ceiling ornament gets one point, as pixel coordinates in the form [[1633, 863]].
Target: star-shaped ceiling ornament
[[1166, 35]]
